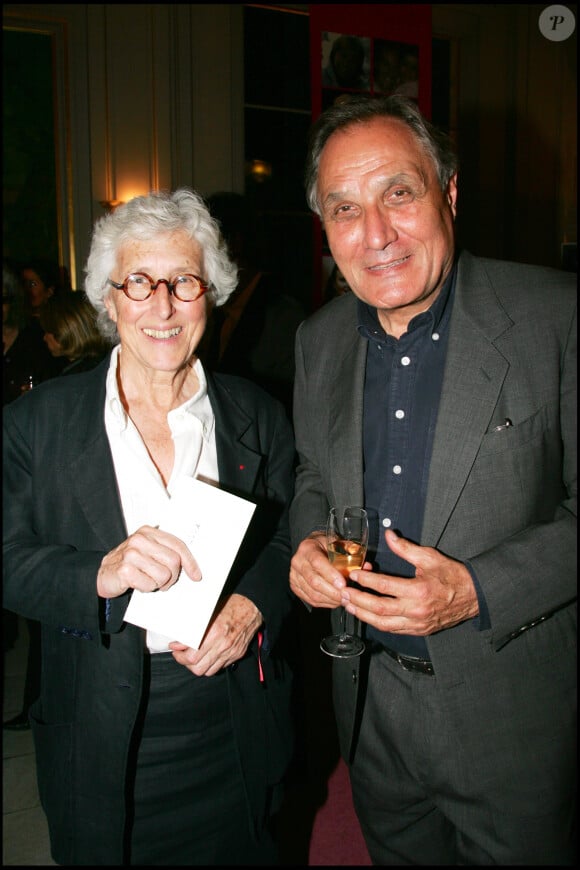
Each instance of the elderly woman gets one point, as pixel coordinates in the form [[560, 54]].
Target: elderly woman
[[149, 751]]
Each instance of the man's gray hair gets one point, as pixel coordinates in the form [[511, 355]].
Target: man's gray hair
[[359, 110]]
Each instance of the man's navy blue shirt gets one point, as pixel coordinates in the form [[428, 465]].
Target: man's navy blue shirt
[[401, 401]]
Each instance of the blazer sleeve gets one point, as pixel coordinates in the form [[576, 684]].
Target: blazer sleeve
[[51, 549]]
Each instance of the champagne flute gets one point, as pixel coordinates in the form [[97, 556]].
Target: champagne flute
[[347, 535]]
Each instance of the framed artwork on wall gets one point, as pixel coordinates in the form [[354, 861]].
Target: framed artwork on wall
[[366, 49]]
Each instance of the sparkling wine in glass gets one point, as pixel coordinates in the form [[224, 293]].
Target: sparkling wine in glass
[[347, 535]]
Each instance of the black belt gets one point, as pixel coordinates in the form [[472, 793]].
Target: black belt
[[409, 663]]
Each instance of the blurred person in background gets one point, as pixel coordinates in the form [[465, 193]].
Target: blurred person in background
[[42, 278], [252, 335], [27, 361], [71, 332]]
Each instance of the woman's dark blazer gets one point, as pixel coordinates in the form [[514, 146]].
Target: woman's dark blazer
[[62, 514]]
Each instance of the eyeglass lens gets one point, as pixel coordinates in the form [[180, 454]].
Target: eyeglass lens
[[187, 288]]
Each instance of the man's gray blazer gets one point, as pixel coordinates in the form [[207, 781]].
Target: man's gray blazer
[[503, 499]]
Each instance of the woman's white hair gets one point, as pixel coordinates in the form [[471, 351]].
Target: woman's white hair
[[146, 217]]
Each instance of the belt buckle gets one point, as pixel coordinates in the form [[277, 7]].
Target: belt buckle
[[400, 661], [420, 666]]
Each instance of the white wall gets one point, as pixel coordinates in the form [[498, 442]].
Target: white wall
[[148, 96]]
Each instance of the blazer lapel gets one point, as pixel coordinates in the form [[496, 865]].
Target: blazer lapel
[[103, 508], [91, 468], [345, 433], [238, 458], [238, 454], [474, 375]]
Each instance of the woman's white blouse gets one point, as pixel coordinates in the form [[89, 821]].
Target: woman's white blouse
[[143, 493]]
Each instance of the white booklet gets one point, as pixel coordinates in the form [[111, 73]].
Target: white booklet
[[212, 523]]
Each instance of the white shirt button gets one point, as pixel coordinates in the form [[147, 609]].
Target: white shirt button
[[399, 414], [387, 523], [405, 361], [397, 469], [435, 336]]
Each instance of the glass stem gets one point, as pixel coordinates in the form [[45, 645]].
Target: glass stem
[[343, 631]]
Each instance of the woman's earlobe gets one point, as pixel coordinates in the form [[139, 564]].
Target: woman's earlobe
[[111, 311]]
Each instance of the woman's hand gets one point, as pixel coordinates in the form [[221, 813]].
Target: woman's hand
[[148, 560], [226, 640]]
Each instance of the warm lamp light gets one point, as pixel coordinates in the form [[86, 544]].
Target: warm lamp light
[[259, 170], [111, 204]]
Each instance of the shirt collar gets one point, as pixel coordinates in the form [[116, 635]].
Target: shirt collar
[[198, 405], [112, 398]]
